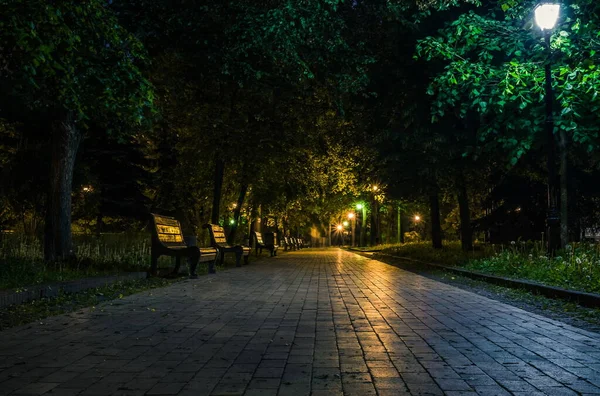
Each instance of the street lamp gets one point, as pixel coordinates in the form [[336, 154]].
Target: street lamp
[[417, 218], [352, 217], [546, 15]]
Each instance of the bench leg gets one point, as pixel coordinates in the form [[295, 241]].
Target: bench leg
[[193, 262], [177, 266], [212, 265], [154, 265]]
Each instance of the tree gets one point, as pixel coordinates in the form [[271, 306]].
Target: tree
[[493, 59], [71, 63]]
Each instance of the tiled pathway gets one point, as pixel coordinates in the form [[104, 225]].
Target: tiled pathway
[[321, 322]]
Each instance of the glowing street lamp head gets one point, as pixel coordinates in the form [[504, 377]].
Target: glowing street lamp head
[[350, 215], [375, 188], [339, 227], [359, 206], [417, 218], [345, 223], [546, 15], [232, 221]]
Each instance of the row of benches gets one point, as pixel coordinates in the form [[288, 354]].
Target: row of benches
[[293, 243], [168, 240]]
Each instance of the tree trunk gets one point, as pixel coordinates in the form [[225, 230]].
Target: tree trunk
[[399, 226], [374, 230], [217, 187], [436, 227], [236, 213], [58, 241], [466, 234], [284, 225], [564, 190]]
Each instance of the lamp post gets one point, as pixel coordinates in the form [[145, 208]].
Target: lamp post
[[399, 226], [363, 214], [546, 15], [374, 235], [352, 218]]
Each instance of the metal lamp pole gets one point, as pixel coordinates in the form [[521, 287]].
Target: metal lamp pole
[[546, 16], [553, 217]]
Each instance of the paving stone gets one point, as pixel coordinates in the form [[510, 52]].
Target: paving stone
[[37, 388]]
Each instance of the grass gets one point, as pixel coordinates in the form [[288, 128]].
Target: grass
[[22, 260], [577, 267], [37, 310], [22, 264], [450, 254]]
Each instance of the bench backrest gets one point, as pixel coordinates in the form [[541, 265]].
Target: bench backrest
[[217, 235], [259, 239], [167, 231]]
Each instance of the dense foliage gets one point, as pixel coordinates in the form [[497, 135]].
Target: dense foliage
[[284, 115]]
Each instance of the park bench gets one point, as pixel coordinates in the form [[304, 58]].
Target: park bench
[[259, 243], [289, 245], [296, 243], [167, 240], [218, 241]]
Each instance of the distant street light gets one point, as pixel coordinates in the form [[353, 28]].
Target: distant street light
[[417, 218], [546, 15], [350, 215], [345, 223], [339, 227]]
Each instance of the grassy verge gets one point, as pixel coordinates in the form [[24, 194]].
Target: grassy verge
[[37, 310], [577, 267], [450, 254], [22, 262]]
